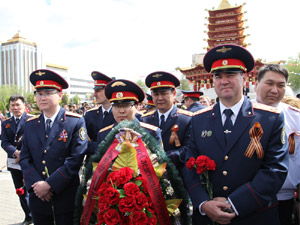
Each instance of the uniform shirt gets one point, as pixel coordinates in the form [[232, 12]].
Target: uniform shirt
[[166, 114]]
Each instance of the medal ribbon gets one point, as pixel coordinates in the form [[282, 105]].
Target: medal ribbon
[[153, 186], [256, 132], [292, 142], [98, 178]]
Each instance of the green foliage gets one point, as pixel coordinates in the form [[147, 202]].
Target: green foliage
[[75, 100], [64, 100], [142, 85], [293, 66], [185, 84]]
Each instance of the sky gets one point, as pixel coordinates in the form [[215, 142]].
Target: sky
[[129, 39]]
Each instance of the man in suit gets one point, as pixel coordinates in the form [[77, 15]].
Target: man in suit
[[52, 153], [11, 142], [270, 89], [174, 123], [247, 142], [98, 117], [191, 100], [125, 97]]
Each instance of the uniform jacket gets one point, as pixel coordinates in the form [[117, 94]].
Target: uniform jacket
[[62, 152], [12, 137], [179, 117], [153, 130], [250, 183], [195, 107], [95, 122]]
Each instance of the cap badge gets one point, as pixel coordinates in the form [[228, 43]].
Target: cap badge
[[157, 75], [158, 83], [118, 83], [94, 74], [223, 49], [225, 62], [119, 95], [42, 83], [40, 73]]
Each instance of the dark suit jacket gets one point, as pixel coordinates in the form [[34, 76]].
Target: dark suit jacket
[[95, 122], [179, 117], [62, 152], [12, 137], [250, 183], [195, 107]]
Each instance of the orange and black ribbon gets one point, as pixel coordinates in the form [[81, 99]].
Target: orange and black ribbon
[[292, 142], [256, 132], [174, 136]]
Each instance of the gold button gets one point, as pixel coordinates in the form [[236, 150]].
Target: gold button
[[45, 151], [44, 162], [224, 173], [226, 157], [44, 173], [225, 188], [46, 136]]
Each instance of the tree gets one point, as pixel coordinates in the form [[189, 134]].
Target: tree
[[185, 84], [293, 66], [142, 85], [75, 100], [64, 100]]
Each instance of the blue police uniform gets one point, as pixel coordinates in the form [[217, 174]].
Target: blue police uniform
[[178, 121], [60, 153], [195, 107], [250, 183], [250, 150], [11, 140], [94, 118]]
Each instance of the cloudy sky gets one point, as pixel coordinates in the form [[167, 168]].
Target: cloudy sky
[[132, 38]]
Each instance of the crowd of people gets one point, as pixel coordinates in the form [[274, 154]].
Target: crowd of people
[[255, 143]]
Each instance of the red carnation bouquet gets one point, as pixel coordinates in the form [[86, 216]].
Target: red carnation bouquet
[[203, 165], [124, 199], [20, 191]]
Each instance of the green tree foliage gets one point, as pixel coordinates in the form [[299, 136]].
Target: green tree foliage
[[184, 84], [75, 100], [293, 66], [64, 100], [142, 85]]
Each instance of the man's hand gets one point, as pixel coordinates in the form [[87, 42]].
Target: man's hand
[[42, 190], [17, 155], [214, 210]]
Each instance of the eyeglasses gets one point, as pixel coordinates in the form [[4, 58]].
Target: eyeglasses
[[125, 106], [45, 94]]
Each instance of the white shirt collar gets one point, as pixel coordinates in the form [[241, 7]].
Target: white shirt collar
[[104, 110], [52, 118], [235, 109], [166, 114]]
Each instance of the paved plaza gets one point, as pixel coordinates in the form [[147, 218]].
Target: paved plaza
[[10, 210]]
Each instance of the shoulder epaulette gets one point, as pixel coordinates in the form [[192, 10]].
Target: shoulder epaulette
[[185, 112], [106, 128], [93, 109], [148, 126], [32, 118], [73, 114], [209, 108], [149, 113], [264, 107], [294, 108]]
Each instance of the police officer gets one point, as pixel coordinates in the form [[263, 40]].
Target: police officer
[[247, 143], [52, 152], [125, 97], [11, 142], [98, 117], [174, 123], [191, 100], [150, 104], [270, 89]]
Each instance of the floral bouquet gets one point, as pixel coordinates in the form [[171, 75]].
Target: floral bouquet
[[130, 180]]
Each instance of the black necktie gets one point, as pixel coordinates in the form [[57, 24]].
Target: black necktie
[[105, 114], [48, 126], [162, 121], [17, 121], [228, 124]]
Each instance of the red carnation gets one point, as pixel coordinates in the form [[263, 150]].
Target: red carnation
[[112, 217], [152, 220], [125, 174], [126, 204], [141, 201], [143, 185], [131, 189], [139, 217], [190, 163], [112, 196], [100, 218], [103, 204], [114, 178], [20, 191], [103, 188]]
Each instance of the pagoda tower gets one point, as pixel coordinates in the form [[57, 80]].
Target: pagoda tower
[[226, 26]]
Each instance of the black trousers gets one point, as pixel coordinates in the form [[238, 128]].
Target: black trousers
[[17, 177], [61, 219], [285, 209]]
